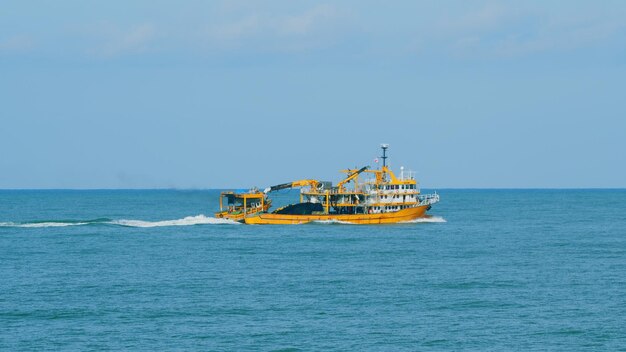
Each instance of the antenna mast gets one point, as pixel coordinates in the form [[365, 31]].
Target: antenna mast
[[384, 146]]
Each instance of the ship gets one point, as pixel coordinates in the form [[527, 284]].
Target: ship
[[363, 196]]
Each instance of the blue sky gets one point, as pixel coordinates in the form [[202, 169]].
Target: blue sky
[[212, 94]]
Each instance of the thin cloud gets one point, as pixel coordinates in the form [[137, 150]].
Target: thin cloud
[[561, 38], [16, 44], [308, 21], [241, 28], [261, 26], [486, 18], [117, 42], [497, 32]]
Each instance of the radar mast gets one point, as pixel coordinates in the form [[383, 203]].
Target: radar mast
[[384, 146]]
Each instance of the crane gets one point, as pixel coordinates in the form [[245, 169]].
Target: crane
[[351, 177], [314, 184]]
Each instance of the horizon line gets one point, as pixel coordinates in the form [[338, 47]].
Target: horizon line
[[229, 188]]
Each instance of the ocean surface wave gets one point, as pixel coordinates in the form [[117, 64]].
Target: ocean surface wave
[[509, 270]]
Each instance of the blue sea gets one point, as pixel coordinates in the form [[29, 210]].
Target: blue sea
[[146, 270]]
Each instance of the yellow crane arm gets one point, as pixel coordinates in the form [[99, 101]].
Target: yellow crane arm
[[351, 176], [314, 184]]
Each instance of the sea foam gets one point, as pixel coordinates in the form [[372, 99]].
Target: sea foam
[[187, 221], [427, 219], [42, 224]]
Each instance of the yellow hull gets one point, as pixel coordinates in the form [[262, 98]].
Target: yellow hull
[[234, 217], [381, 218]]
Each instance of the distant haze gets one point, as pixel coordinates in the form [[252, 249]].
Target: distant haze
[[215, 94]]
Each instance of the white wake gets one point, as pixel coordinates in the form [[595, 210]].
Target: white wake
[[428, 219], [187, 221], [41, 224], [190, 220]]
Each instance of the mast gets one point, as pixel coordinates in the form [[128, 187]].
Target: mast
[[384, 146]]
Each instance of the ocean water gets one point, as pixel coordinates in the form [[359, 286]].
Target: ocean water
[[493, 270]]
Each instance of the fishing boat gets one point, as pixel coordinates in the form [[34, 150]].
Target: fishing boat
[[364, 196]]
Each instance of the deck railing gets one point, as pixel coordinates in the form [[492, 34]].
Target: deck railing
[[428, 199]]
